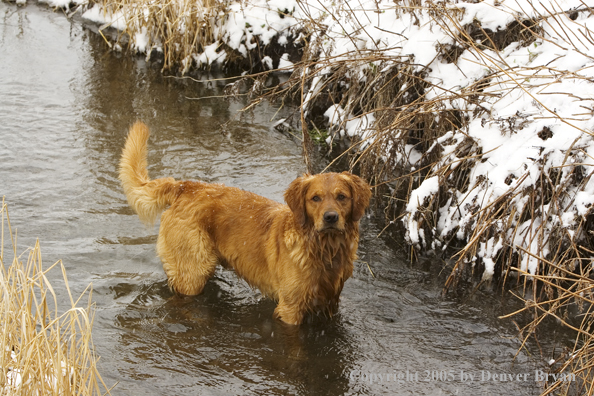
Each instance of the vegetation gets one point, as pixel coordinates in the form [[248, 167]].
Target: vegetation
[[190, 35], [43, 351]]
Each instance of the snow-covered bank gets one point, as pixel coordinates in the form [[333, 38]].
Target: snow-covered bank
[[485, 107], [489, 101], [190, 34], [492, 99]]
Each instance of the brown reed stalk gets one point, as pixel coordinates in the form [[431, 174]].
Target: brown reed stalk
[[43, 351], [180, 29]]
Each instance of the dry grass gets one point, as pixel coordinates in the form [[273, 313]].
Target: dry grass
[[43, 351], [178, 29], [566, 291]]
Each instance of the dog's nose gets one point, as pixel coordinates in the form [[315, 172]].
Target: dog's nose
[[330, 217]]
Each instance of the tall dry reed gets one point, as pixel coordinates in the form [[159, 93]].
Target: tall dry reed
[[572, 370], [177, 28], [43, 351]]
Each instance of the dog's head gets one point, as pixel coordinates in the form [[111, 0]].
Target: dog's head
[[328, 201]]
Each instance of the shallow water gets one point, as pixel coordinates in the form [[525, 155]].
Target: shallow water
[[65, 105]]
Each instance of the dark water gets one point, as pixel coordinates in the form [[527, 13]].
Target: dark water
[[65, 105]]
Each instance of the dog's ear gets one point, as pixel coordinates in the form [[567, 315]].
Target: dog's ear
[[295, 198], [361, 195]]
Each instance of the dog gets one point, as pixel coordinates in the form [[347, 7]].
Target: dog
[[299, 254]]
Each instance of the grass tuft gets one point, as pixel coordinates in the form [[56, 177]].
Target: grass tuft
[[42, 351]]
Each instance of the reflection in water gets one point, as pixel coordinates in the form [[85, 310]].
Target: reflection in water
[[66, 102], [225, 339], [187, 134]]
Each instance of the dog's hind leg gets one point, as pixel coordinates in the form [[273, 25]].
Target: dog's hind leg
[[189, 260]]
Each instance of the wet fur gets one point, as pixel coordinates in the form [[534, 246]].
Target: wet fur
[[292, 253]]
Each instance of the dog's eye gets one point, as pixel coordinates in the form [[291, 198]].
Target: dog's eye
[[316, 198], [341, 197]]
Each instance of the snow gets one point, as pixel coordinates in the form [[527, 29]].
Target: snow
[[141, 40], [58, 3], [418, 197], [426, 189], [267, 61], [210, 56], [96, 14], [285, 64]]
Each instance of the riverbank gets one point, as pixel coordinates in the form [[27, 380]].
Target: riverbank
[[473, 120], [477, 113]]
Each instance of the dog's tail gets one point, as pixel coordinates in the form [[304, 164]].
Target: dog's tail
[[147, 197]]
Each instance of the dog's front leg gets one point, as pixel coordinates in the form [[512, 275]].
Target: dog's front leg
[[289, 312]]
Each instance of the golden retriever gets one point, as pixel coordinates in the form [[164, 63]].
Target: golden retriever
[[299, 254]]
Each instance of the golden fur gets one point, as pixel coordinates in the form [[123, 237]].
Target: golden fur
[[299, 254]]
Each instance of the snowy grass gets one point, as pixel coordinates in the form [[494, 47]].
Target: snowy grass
[[42, 351], [175, 29], [203, 34], [492, 100]]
